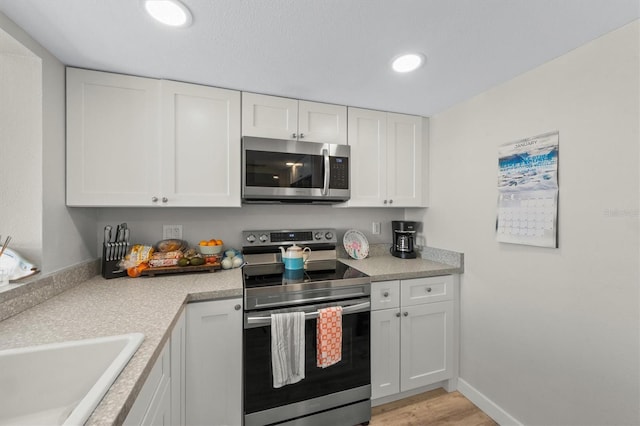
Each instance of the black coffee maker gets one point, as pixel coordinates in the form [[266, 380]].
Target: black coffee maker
[[404, 234]]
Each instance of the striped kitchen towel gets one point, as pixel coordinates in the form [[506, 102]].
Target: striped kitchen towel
[[329, 336]]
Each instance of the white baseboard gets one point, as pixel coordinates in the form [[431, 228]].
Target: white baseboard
[[485, 404]]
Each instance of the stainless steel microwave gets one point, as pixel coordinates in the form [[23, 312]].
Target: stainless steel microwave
[[281, 171]]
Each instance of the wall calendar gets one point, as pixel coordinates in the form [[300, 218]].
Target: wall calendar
[[528, 191]]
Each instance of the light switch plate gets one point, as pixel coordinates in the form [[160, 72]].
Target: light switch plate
[[375, 228]]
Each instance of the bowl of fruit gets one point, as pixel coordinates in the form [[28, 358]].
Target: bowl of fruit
[[211, 246]]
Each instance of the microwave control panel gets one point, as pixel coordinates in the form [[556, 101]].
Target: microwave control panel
[[339, 172]]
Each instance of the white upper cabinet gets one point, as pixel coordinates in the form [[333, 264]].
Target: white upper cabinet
[[285, 118], [368, 162], [324, 123], [269, 116], [390, 144], [404, 160], [112, 139], [200, 145], [135, 141]]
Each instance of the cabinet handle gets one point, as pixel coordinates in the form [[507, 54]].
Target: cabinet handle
[[237, 307], [294, 135], [428, 289], [385, 294], [154, 199], [165, 199], [398, 314], [390, 201], [385, 202], [406, 314], [301, 136]]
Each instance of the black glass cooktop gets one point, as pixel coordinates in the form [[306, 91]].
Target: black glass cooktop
[[275, 274]]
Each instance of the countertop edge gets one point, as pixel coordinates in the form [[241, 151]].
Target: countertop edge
[[410, 275]]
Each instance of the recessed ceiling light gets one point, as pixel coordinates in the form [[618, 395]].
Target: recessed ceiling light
[[169, 12], [408, 62]]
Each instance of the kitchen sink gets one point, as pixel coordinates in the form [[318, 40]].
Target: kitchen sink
[[61, 383]]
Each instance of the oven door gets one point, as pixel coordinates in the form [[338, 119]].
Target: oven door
[[285, 170], [346, 382]]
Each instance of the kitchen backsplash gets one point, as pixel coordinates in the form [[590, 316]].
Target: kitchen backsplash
[[226, 224]]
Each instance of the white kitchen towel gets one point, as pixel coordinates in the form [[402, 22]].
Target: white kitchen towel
[[287, 348]]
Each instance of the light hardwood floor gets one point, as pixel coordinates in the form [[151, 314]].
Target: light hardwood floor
[[436, 407]]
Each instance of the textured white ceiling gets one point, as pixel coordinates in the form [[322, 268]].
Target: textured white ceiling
[[335, 51]]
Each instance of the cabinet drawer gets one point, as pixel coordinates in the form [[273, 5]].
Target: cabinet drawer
[[426, 290], [385, 295]]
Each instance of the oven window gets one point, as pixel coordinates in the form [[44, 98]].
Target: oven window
[[352, 371], [284, 170]]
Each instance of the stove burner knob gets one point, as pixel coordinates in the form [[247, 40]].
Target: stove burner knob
[[318, 236], [328, 235], [251, 238], [264, 238]]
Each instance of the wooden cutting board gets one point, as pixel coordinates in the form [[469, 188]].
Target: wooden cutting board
[[211, 267]]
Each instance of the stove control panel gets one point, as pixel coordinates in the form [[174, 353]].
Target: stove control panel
[[266, 238]]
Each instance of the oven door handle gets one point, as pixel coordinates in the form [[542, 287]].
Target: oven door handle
[[360, 307]]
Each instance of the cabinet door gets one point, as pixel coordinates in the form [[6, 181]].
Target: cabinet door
[[325, 123], [404, 160], [214, 363], [269, 116], [427, 344], [385, 352], [201, 146], [368, 140], [112, 139], [160, 413], [153, 405], [178, 363]]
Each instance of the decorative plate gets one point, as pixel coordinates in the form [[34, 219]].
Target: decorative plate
[[356, 244]]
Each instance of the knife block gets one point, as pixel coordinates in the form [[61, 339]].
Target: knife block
[[110, 268]]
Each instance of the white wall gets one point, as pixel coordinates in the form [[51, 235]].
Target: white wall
[[67, 235], [20, 147], [550, 335]]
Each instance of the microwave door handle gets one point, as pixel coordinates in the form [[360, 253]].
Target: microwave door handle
[[327, 172]]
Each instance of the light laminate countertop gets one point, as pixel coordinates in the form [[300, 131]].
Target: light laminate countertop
[[385, 268], [100, 307]]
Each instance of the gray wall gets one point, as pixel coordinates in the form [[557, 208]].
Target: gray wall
[[550, 335], [67, 235]]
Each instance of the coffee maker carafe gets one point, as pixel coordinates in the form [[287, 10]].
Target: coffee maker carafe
[[404, 233]]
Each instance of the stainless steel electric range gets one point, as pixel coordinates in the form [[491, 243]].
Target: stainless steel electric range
[[336, 395]]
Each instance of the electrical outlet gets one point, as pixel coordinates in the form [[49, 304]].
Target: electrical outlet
[[172, 232], [375, 228]]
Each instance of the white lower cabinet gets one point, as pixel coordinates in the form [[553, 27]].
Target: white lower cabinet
[[214, 363], [178, 366], [160, 400], [412, 334]]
